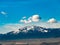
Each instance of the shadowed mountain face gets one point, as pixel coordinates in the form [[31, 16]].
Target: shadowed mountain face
[[30, 32]]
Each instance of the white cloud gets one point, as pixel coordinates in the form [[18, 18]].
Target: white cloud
[[25, 21], [49, 25], [10, 27], [34, 18], [15, 27], [24, 17], [29, 21], [30, 18], [3, 12], [52, 20], [21, 20]]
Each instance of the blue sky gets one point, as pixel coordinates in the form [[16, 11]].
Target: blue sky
[[11, 11]]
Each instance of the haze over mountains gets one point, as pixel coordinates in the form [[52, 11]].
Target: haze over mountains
[[30, 32]]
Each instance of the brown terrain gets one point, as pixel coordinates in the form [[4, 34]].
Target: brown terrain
[[45, 41]]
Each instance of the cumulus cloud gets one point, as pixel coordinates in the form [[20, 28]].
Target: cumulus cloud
[[25, 21], [52, 20], [34, 18]]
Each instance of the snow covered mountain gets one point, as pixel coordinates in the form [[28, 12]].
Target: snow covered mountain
[[32, 32], [32, 29]]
